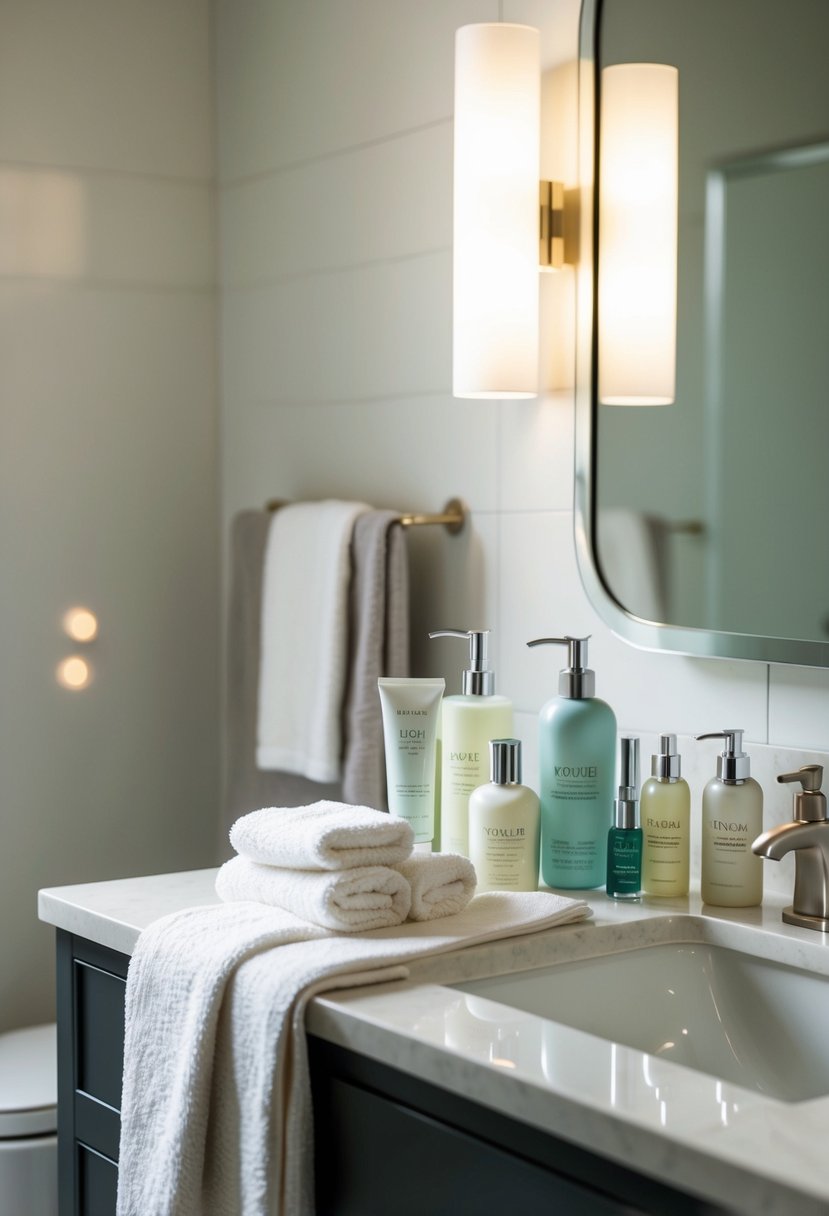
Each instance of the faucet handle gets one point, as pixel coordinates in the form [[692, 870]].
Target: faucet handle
[[810, 804]]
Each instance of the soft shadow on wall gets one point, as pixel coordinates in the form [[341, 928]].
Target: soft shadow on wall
[[108, 460]]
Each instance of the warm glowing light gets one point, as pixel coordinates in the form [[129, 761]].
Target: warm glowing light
[[497, 135], [502, 1063], [43, 222], [638, 174], [81, 624], [74, 673]]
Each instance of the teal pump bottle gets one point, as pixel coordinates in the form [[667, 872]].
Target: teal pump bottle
[[577, 767]]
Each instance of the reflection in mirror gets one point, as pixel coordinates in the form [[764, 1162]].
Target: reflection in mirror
[[709, 514]]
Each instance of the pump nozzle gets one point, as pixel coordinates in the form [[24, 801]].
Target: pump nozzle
[[666, 763], [478, 678], [733, 764], [626, 805], [576, 681], [810, 804]]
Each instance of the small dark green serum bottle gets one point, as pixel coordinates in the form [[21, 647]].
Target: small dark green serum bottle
[[624, 840]]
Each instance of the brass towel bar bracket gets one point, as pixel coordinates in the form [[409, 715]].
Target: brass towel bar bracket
[[452, 517]]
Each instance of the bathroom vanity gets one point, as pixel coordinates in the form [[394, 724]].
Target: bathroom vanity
[[652, 1060]]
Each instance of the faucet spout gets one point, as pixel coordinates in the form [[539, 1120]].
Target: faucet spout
[[809, 841]]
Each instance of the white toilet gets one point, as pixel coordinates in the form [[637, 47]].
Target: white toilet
[[28, 1122]]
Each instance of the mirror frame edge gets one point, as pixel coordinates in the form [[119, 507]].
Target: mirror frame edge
[[644, 634]]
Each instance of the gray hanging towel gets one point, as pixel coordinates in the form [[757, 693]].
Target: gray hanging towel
[[378, 645]]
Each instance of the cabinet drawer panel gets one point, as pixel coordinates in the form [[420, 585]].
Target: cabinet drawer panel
[[100, 1033], [97, 1183], [366, 1144]]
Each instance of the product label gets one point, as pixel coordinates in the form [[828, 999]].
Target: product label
[[510, 859], [728, 861], [574, 783], [466, 772], [578, 816]]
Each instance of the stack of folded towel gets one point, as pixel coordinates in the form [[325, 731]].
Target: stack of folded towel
[[346, 868]]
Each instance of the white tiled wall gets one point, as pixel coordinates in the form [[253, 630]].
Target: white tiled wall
[[108, 463], [335, 127]]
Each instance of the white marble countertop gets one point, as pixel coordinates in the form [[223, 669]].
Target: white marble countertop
[[734, 1146]]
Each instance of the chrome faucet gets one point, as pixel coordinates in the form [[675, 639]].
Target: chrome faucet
[[807, 836]]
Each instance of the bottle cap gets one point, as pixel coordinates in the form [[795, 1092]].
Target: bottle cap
[[505, 761], [626, 806], [666, 763], [576, 682], [478, 677], [733, 764]]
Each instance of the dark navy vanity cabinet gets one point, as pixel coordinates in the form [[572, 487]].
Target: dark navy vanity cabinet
[[387, 1144], [91, 983]]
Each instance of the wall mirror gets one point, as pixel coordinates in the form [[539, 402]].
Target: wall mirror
[[701, 526]]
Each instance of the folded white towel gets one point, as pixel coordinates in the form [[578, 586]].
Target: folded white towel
[[216, 1110], [322, 836], [303, 658], [442, 883], [364, 897]]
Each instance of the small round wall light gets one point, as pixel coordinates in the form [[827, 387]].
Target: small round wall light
[[74, 673], [80, 624]]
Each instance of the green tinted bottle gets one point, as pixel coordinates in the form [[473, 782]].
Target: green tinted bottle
[[577, 763]]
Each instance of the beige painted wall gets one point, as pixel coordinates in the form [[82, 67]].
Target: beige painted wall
[[108, 461]]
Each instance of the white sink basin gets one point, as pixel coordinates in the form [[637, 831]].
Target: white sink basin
[[758, 1024]]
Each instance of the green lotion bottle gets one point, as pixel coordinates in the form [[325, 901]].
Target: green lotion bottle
[[577, 766]]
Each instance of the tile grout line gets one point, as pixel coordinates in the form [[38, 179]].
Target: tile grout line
[[262, 175]]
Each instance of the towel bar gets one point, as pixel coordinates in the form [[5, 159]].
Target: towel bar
[[453, 515]]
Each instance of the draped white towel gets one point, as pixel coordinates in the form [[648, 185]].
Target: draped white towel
[[442, 884], [364, 897], [322, 836], [216, 1110], [304, 634]]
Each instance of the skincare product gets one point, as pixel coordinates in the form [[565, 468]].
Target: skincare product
[[665, 814], [577, 761], [504, 824], [732, 819], [624, 840], [468, 722], [410, 716]]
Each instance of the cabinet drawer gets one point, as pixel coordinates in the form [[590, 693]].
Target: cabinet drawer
[[99, 997], [97, 1183]]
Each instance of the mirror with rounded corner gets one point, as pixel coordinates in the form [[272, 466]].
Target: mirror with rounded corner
[[701, 524]]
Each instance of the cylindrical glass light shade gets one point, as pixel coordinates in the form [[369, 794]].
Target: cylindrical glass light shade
[[638, 172], [497, 121]]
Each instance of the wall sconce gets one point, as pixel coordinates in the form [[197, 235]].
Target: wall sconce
[[497, 143], [507, 226], [637, 248]]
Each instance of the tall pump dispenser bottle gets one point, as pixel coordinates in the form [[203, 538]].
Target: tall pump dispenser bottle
[[732, 818], [577, 765], [624, 840], [468, 722], [665, 812]]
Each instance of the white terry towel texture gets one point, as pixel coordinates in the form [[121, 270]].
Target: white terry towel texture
[[303, 656], [216, 1107], [442, 884], [322, 836], [364, 897]]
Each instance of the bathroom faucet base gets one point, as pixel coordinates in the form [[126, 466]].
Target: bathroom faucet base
[[805, 921]]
